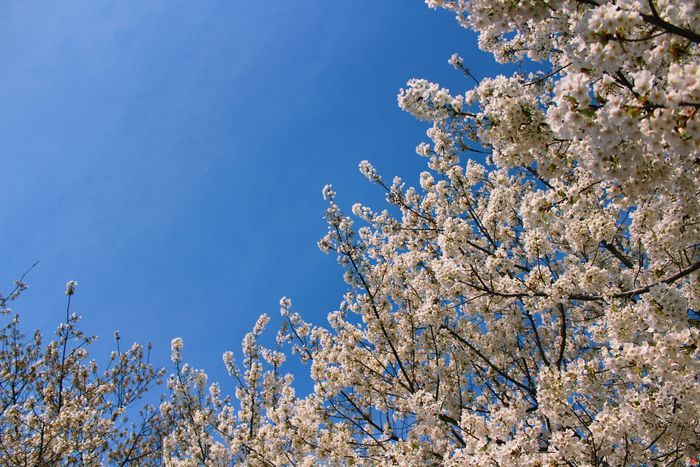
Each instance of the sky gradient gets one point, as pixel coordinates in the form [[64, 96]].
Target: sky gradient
[[170, 155]]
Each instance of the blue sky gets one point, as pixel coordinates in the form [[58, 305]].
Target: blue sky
[[170, 155]]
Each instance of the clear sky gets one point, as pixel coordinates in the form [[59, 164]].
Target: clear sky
[[170, 155]]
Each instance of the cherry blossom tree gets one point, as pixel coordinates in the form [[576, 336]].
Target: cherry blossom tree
[[57, 407], [541, 307], [533, 301]]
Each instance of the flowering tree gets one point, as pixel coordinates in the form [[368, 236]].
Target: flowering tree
[[56, 406], [537, 307]]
